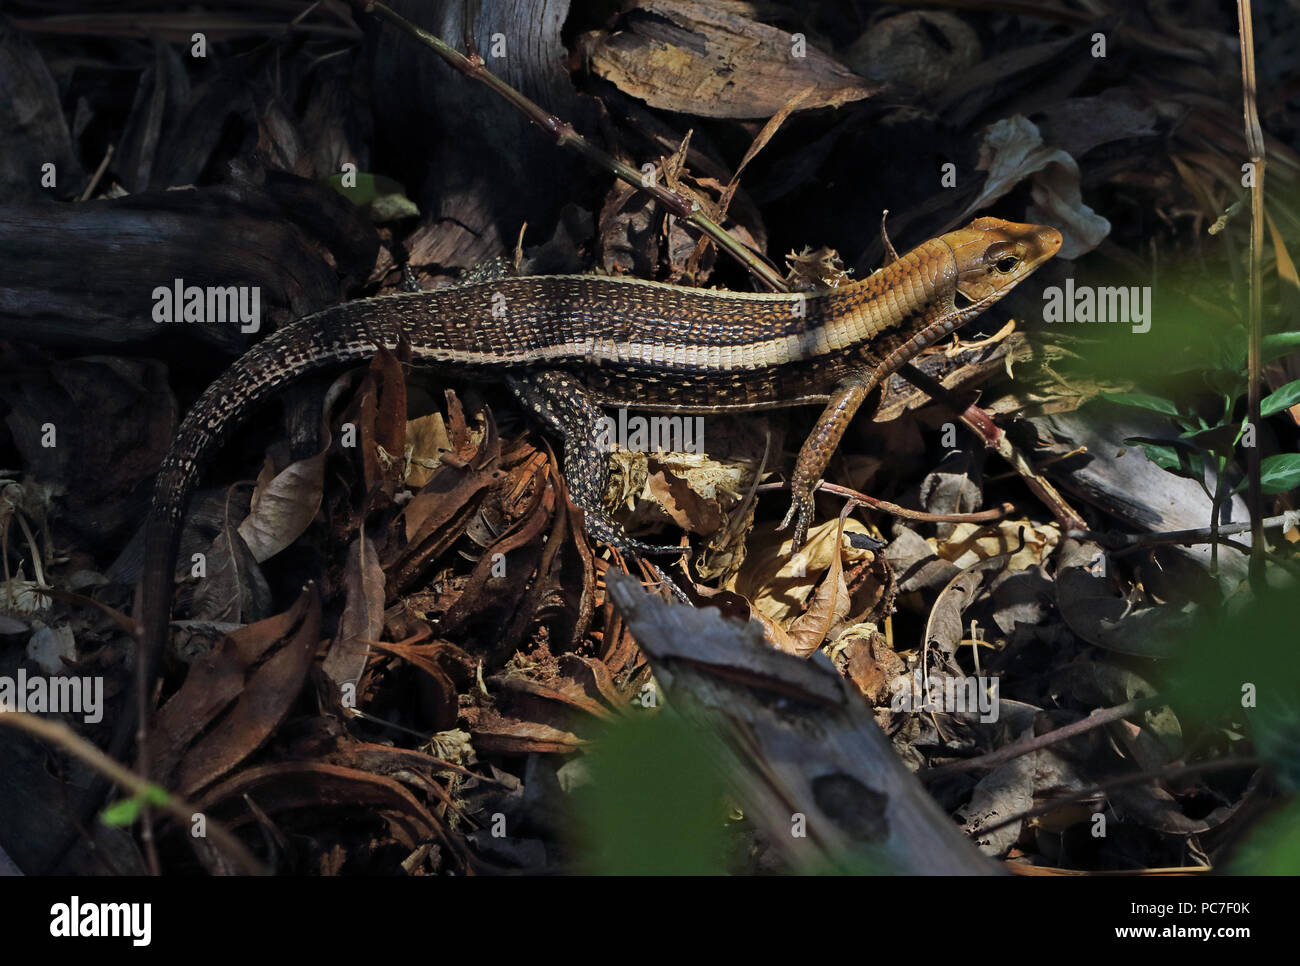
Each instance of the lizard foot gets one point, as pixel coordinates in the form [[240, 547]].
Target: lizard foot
[[800, 514]]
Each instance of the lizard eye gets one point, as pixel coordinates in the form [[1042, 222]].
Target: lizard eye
[[1007, 264]]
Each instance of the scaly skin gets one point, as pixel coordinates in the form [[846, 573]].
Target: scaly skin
[[569, 344]]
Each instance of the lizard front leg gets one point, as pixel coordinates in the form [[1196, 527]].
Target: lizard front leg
[[567, 407], [821, 443], [816, 452]]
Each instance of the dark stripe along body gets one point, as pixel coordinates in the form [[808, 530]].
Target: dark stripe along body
[[634, 343]]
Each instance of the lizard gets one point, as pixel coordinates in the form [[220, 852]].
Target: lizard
[[566, 345]]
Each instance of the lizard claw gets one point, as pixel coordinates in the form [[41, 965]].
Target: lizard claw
[[800, 514]]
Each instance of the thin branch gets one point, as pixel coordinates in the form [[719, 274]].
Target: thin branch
[[1126, 541], [893, 509], [93, 183], [981, 424], [1017, 748]]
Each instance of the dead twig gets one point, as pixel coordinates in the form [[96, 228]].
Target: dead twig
[[902, 512], [981, 424], [1018, 748], [1130, 541]]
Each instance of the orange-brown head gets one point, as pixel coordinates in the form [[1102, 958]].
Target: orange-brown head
[[993, 255]]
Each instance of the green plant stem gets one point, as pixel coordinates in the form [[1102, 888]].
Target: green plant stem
[[1255, 144]]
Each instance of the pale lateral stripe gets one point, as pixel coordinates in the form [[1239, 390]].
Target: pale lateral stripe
[[850, 329]]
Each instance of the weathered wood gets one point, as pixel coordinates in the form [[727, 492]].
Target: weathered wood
[[802, 741], [82, 276]]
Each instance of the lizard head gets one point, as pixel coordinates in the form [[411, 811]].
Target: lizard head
[[993, 255]]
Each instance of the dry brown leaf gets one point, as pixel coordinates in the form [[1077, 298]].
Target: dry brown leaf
[[1010, 789], [428, 441], [711, 60], [761, 139], [777, 582], [1028, 543], [233, 698], [921, 50], [500, 735], [363, 612], [440, 513], [232, 587], [1285, 266], [829, 606], [438, 660], [390, 414], [288, 786], [1092, 609], [284, 504]]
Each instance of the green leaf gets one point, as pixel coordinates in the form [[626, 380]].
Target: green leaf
[[1277, 345], [1219, 440], [1284, 397], [1165, 457], [1228, 383], [1177, 456], [123, 813], [1178, 443], [385, 197], [1143, 401], [1241, 430], [1272, 347], [1272, 847], [1280, 473]]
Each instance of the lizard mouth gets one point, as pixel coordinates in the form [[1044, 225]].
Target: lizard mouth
[[1050, 240]]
